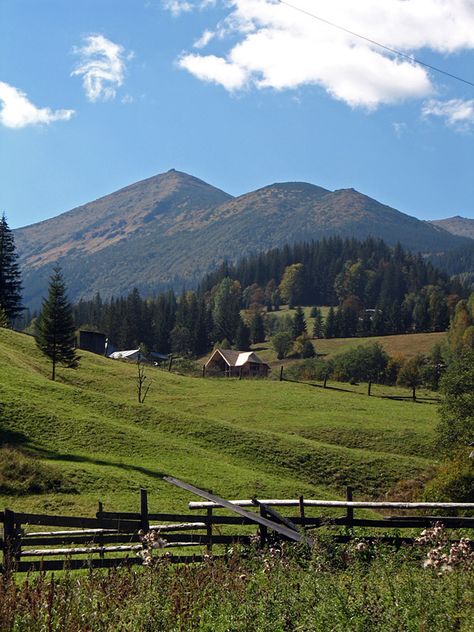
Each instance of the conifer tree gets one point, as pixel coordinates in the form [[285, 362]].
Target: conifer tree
[[330, 326], [242, 337], [299, 324], [257, 328], [318, 324], [55, 326], [10, 278]]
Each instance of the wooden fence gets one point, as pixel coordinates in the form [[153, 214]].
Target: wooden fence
[[113, 538]]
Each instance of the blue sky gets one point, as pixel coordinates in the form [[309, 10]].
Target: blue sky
[[97, 94]]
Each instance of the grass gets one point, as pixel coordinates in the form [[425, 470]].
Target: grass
[[338, 588], [238, 438], [407, 345]]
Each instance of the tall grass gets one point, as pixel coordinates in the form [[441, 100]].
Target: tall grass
[[333, 588]]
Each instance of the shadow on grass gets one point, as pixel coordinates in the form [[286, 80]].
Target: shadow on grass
[[401, 398], [8, 436], [76, 458]]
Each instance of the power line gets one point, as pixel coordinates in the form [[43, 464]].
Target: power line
[[371, 41]]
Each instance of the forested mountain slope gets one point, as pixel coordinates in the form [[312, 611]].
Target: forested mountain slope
[[173, 228]]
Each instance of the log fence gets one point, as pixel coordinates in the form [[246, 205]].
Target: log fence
[[113, 538]]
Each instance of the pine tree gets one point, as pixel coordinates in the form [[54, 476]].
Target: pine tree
[[10, 278], [242, 337], [55, 327], [318, 329], [330, 325], [257, 328], [298, 327]]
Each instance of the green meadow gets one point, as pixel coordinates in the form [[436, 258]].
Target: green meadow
[[89, 439]]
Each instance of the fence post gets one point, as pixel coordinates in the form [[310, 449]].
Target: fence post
[[281, 373], [203, 370], [11, 544], [301, 500], [325, 380], [170, 364], [350, 510], [263, 529], [145, 525], [100, 509], [209, 529]]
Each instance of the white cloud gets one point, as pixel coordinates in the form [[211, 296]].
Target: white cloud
[[204, 40], [17, 111], [399, 129], [457, 113], [176, 7], [280, 48], [101, 66]]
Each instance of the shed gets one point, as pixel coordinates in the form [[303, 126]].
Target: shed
[[236, 363], [92, 341]]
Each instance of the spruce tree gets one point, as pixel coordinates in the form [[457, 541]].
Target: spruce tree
[[299, 324], [55, 326], [242, 337], [257, 328], [10, 278]]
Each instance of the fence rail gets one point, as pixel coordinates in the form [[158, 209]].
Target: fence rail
[[113, 538]]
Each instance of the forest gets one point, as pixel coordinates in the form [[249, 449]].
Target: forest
[[372, 288]]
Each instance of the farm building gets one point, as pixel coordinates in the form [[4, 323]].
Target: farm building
[[236, 363], [135, 355], [92, 341]]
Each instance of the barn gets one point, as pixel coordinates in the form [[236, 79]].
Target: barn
[[236, 364]]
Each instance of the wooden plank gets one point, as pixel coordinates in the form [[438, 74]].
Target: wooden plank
[[72, 521], [279, 518], [59, 565], [119, 515], [200, 538], [71, 532], [84, 550], [282, 530], [185, 526], [77, 539], [335, 503]]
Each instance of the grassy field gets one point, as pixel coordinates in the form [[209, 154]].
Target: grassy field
[[407, 345], [239, 438]]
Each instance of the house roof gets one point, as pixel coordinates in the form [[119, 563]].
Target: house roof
[[118, 355], [237, 358]]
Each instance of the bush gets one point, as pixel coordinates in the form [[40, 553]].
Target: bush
[[454, 481], [23, 474], [310, 369]]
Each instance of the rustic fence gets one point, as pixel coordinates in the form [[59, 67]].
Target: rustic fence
[[113, 538]]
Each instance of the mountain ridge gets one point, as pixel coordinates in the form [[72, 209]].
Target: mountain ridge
[[456, 225], [170, 229]]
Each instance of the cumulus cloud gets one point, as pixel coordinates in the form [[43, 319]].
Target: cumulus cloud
[[457, 113], [280, 48], [176, 7], [17, 111], [101, 66]]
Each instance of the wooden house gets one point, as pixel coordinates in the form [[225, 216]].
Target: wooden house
[[236, 364]]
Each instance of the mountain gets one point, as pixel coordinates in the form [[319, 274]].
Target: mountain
[[456, 225], [172, 228]]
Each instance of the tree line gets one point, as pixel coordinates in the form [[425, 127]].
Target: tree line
[[372, 289]]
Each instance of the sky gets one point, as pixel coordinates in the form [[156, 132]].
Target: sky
[[98, 94]]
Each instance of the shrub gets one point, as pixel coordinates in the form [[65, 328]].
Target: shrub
[[24, 474]]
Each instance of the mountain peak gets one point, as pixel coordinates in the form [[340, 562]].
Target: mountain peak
[[172, 228], [457, 225]]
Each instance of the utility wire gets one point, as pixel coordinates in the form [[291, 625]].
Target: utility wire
[[371, 41]]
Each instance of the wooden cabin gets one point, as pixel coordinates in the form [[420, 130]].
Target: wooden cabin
[[236, 364]]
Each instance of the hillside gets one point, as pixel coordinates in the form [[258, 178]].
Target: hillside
[[173, 228], [236, 437], [461, 226]]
